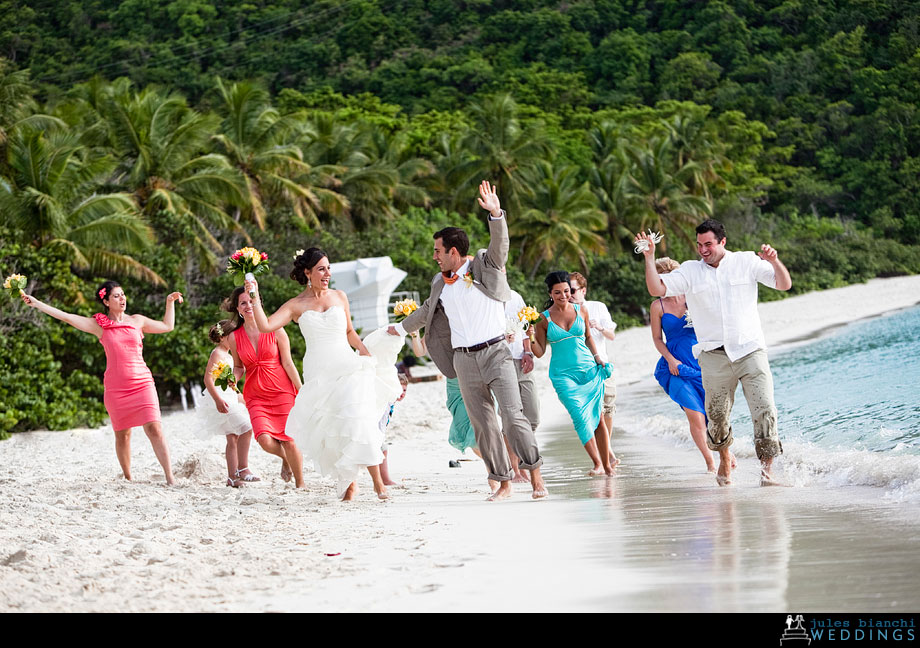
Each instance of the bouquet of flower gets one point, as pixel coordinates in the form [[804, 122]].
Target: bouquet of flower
[[224, 377], [248, 262], [403, 309], [527, 316], [15, 284], [642, 246]]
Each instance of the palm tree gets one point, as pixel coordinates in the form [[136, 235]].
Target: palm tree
[[49, 196], [694, 142], [658, 190], [345, 152], [608, 177], [258, 141], [412, 172], [500, 149], [18, 108], [163, 161], [560, 222]]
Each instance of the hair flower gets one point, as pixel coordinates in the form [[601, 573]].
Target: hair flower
[[102, 293], [297, 254]]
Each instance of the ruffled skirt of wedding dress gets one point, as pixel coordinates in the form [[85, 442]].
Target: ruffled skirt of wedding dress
[[335, 418]]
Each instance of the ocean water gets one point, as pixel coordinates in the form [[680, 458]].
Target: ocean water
[[848, 404]]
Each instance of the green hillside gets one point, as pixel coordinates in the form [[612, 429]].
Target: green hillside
[[143, 140]]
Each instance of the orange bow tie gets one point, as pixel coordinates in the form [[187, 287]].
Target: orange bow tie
[[448, 279]]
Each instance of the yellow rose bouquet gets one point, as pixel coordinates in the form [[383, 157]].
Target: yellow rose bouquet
[[223, 376], [248, 262], [403, 309], [527, 316], [15, 284]]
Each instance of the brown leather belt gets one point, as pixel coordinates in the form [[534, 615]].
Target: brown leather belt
[[480, 347]]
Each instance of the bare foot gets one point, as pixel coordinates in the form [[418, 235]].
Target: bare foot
[[389, 482], [350, 492], [520, 478], [539, 487], [383, 494], [614, 462], [493, 485], [597, 470], [503, 492], [767, 479], [724, 476], [286, 473]]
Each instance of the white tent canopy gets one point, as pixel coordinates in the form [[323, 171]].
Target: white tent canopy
[[368, 284]]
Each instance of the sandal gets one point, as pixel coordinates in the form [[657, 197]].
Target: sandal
[[232, 483], [247, 478]]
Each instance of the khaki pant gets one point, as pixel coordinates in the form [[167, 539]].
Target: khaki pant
[[610, 397], [481, 374], [528, 395], [720, 380]]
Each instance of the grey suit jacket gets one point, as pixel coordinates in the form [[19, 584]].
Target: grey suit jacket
[[488, 276]]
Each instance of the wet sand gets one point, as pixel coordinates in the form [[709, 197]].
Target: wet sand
[[659, 536]]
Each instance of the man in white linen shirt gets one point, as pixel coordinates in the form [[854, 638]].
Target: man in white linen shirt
[[721, 291], [603, 328]]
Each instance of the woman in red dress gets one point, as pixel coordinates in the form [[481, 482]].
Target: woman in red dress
[[130, 395], [272, 383]]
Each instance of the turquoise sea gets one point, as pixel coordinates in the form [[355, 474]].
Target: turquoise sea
[[848, 403]]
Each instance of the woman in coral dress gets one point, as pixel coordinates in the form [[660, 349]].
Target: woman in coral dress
[[130, 395], [271, 384], [335, 419]]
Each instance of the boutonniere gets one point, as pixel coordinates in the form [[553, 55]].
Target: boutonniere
[[468, 278]]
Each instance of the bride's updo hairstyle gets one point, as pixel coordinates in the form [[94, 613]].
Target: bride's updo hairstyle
[[553, 278], [305, 263]]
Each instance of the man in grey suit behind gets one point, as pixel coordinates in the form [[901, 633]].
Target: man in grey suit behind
[[464, 320]]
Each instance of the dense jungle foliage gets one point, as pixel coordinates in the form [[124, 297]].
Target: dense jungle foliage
[[144, 140]]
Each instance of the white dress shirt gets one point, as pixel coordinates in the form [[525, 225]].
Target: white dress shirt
[[474, 318], [723, 301], [512, 307], [600, 317]]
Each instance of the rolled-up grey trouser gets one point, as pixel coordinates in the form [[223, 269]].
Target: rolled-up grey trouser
[[480, 374], [529, 402], [720, 380]]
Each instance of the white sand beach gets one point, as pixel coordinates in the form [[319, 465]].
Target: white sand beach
[[660, 536]]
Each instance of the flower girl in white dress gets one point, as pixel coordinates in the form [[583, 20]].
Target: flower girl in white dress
[[227, 415]]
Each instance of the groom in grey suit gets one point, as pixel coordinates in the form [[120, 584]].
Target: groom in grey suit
[[464, 320]]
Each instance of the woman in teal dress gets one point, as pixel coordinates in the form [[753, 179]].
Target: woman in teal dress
[[461, 435], [575, 369]]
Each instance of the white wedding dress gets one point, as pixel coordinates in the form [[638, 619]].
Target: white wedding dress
[[336, 415]]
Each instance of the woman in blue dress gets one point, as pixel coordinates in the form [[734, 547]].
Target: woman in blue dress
[[575, 369], [678, 372]]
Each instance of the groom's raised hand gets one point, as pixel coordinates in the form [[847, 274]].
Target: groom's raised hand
[[488, 199]]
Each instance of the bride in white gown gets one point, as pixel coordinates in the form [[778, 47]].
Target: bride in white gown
[[335, 417]]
